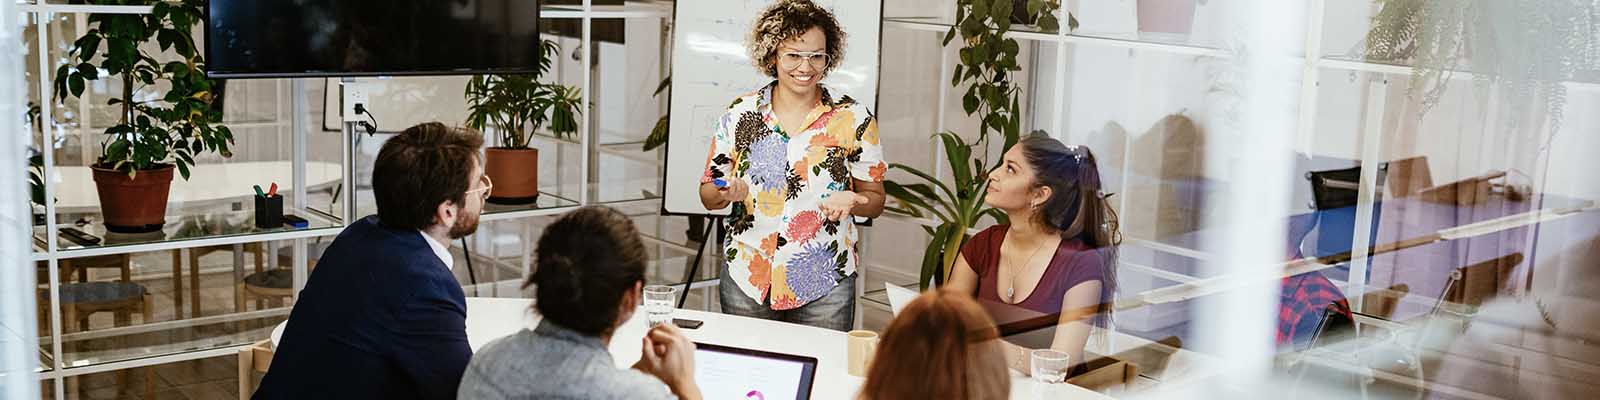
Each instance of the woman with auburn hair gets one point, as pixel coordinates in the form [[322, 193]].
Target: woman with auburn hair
[[941, 346]]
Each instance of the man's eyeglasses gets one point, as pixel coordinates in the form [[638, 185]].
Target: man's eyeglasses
[[488, 187], [792, 59]]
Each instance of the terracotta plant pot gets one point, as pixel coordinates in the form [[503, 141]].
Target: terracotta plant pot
[[515, 173], [133, 205], [1166, 19]]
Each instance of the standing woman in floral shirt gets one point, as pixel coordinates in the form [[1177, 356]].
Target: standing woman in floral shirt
[[796, 161]]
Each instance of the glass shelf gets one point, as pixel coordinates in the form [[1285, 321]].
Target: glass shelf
[[140, 342], [1134, 40], [1460, 70], [943, 23], [547, 204], [179, 228], [545, 201]]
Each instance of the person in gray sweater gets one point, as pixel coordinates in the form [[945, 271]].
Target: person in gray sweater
[[589, 281]]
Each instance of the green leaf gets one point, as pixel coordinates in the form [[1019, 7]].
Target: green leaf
[[969, 102], [955, 149], [956, 237], [166, 38], [899, 192], [1002, 11], [1034, 6], [1047, 23], [658, 135], [922, 189], [925, 176], [948, 35], [931, 255], [1010, 47], [118, 149], [665, 83], [75, 83], [88, 45], [955, 79], [183, 169]]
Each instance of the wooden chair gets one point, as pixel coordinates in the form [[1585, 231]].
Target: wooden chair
[[1383, 303], [275, 285], [256, 249], [122, 298], [253, 359]]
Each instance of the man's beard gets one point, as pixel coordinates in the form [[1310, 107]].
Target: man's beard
[[466, 224]]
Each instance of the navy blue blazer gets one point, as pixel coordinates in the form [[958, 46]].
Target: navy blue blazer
[[380, 318]]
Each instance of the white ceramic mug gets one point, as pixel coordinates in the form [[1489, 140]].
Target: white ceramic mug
[[863, 344]]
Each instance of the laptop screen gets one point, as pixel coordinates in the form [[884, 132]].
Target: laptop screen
[[734, 373]]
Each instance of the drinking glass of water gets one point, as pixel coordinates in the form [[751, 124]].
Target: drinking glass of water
[[1049, 366], [659, 301]]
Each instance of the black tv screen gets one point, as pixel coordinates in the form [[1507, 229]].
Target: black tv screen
[[309, 38]]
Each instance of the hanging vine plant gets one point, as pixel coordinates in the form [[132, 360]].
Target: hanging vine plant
[[1526, 48], [988, 63]]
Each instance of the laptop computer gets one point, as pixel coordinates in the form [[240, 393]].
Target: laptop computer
[[898, 297], [725, 372]]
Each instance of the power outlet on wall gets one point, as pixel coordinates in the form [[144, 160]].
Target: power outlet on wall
[[354, 93]]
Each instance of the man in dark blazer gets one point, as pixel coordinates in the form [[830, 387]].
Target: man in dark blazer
[[382, 317]]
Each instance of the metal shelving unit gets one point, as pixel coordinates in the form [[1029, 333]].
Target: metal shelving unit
[[326, 223]]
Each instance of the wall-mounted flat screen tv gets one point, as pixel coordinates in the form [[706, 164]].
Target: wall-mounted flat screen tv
[[312, 38]]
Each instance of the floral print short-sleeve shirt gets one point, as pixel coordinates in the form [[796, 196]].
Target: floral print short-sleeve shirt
[[782, 246]]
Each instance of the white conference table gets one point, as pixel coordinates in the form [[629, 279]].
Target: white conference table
[[492, 318], [207, 183]]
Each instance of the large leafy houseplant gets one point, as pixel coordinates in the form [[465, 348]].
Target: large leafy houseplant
[[988, 59], [155, 132], [515, 106]]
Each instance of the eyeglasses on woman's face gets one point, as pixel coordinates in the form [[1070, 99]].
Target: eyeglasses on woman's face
[[790, 60]]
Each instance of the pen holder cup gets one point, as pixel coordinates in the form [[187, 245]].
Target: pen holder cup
[[269, 211]]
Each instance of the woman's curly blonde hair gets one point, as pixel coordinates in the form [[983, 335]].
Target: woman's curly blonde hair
[[787, 19]]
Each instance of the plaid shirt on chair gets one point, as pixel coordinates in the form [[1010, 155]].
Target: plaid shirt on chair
[[1300, 308]]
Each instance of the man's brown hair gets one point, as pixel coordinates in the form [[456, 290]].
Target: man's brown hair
[[423, 166]]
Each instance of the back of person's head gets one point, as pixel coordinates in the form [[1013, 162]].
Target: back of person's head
[[941, 346], [423, 166], [587, 263]]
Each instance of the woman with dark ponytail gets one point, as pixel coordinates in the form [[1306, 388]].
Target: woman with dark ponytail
[[589, 281], [1057, 255]]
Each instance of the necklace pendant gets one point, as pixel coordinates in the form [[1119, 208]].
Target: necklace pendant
[[1010, 292]]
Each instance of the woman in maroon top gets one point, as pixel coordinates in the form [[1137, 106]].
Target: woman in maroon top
[[1057, 255]]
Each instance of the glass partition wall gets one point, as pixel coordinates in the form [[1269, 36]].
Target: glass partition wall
[[1263, 160]]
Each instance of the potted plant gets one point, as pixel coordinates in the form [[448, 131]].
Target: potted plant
[[1166, 19], [156, 133], [516, 106], [987, 60]]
